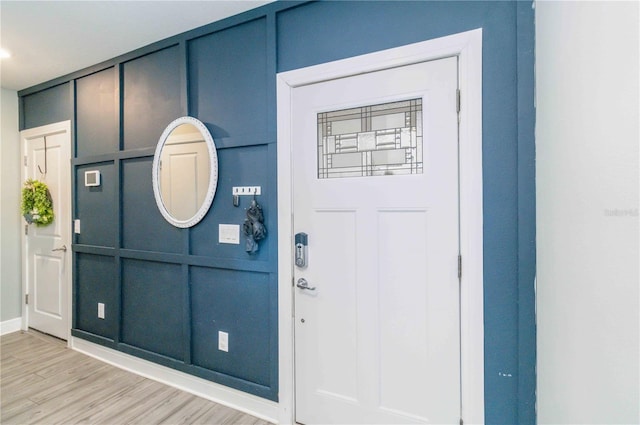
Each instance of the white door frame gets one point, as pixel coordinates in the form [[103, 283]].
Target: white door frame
[[468, 47], [25, 135]]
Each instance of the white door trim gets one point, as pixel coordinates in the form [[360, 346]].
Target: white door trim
[[25, 135], [468, 47]]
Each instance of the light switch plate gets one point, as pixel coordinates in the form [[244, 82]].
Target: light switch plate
[[76, 226], [100, 310], [223, 341], [229, 233]]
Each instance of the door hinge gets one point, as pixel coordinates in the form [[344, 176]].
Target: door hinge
[[25, 160], [26, 298], [459, 266], [458, 100], [26, 230]]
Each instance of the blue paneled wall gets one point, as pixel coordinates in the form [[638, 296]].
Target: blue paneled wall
[[169, 291]]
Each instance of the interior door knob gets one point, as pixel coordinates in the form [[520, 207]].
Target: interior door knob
[[63, 248]]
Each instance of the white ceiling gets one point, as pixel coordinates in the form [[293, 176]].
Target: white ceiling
[[49, 39]]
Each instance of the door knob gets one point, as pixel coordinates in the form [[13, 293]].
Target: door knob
[[303, 284], [63, 248]]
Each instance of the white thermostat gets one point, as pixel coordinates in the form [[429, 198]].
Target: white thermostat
[[92, 178]]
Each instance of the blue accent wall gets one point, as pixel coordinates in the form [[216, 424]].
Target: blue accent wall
[[44, 107], [169, 291], [98, 277], [526, 214], [150, 97], [98, 204], [228, 83], [96, 110]]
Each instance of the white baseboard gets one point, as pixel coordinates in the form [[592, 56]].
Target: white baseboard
[[9, 326], [247, 403]]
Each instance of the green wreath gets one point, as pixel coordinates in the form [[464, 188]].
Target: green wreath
[[37, 204]]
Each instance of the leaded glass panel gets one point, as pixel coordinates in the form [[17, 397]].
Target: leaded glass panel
[[375, 140]]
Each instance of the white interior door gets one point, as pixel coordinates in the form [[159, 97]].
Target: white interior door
[[375, 187], [47, 259]]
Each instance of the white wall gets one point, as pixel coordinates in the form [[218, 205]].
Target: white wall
[[587, 73], [10, 221]]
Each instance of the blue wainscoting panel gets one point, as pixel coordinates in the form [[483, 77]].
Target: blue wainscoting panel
[[245, 166], [228, 83], [152, 316], [96, 206], [46, 107], [143, 227], [96, 124], [246, 320], [96, 279], [151, 92]]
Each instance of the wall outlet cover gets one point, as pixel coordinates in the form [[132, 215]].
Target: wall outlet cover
[[223, 341]]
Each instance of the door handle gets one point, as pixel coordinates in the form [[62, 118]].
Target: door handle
[[303, 284], [63, 248]]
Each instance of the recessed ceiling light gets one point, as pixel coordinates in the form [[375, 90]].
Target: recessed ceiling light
[[4, 54]]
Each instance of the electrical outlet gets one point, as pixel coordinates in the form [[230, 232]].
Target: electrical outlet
[[100, 310], [223, 341]]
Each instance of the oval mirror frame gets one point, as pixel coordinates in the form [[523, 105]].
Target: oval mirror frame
[[213, 172]]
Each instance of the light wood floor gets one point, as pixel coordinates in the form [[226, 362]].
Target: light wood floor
[[43, 382]]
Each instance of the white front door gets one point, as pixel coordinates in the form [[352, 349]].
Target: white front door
[[47, 249], [375, 188]]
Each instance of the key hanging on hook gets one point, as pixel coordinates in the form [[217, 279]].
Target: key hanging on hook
[[45, 158]]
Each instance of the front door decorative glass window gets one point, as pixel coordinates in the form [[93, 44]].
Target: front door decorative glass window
[[376, 140]]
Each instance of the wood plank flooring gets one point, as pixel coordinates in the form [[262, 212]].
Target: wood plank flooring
[[43, 382]]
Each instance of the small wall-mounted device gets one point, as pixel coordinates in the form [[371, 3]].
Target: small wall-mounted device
[[301, 249], [92, 178]]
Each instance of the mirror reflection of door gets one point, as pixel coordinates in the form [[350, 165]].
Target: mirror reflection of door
[[184, 172]]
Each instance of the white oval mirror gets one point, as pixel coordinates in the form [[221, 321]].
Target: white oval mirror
[[185, 172]]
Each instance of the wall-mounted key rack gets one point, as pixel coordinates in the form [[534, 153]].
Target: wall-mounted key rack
[[246, 190]]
